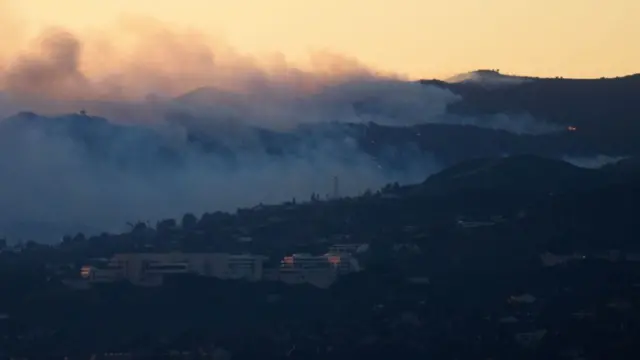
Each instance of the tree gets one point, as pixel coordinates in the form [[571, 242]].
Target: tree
[[189, 221], [207, 221], [31, 245], [79, 238], [137, 227], [166, 225]]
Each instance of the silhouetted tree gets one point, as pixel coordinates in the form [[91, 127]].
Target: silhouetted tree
[[207, 221], [31, 245], [137, 226], [165, 226], [189, 221], [79, 238]]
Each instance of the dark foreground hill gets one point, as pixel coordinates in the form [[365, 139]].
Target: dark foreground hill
[[487, 289]]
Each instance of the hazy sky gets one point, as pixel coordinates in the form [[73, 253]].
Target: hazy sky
[[421, 38]]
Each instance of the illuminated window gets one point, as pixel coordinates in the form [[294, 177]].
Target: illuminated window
[[85, 271]]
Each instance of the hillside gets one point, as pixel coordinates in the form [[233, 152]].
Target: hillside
[[192, 153], [413, 235], [450, 143], [488, 78], [601, 109], [590, 220], [525, 173]]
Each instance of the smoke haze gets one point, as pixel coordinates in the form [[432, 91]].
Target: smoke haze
[[159, 87], [594, 162]]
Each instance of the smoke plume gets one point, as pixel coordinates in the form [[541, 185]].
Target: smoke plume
[[194, 126]]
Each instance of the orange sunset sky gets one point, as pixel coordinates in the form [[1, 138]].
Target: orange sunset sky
[[419, 38]]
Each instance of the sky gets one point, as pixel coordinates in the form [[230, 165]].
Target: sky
[[418, 38]]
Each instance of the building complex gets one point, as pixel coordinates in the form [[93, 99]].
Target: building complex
[[150, 269]]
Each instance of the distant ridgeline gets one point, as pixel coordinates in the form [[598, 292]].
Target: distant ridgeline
[[567, 130]]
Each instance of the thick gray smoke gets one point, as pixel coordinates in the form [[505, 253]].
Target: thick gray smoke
[[86, 173], [77, 172]]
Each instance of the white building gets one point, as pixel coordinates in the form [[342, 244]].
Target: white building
[[150, 268], [549, 259], [320, 271], [340, 263], [474, 224], [348, 248]]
